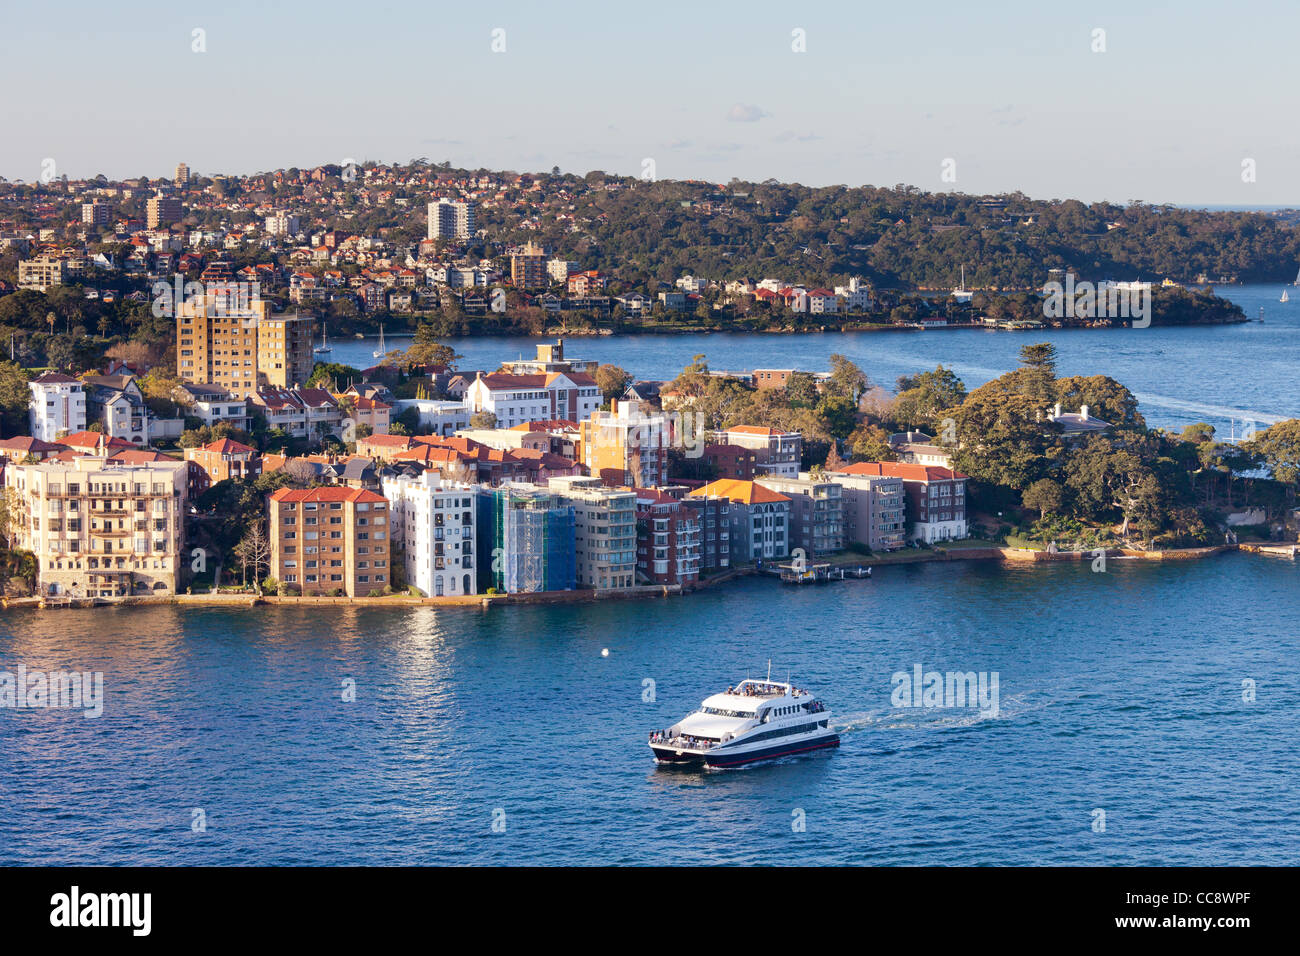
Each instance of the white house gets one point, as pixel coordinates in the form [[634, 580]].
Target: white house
[[433, 521], [58, 406]]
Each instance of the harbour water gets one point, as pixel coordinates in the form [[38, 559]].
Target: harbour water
[[1221, 374], [1119, 692]]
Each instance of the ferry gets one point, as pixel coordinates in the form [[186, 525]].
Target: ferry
[[755, 720]]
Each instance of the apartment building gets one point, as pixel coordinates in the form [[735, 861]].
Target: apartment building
[[451, 220], [816, 513], [604, 531], [163, 210], [433, 524], [936, 497], [58, 406], [42, 273], [99, 527], [873, 510], [528, 268], [329, 539], [241, 349], [713, 513], [668, 539], [281, 223], [525, 540], [627, 445], [519, 399], [96, 213], [759, 519], [778, 453]]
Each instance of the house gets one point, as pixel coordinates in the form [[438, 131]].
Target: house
[[223, 460], [918, 448]]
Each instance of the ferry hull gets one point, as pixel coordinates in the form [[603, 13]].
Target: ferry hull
[[721, 761], [677, 758]]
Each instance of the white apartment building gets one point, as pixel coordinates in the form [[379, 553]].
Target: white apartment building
[[604, 531], [433, 522], [58, 406], [451, 220], [517, 399], [281, 223], [99, 527]]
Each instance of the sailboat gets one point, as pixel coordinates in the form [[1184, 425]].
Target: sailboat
[[1285, 297], [1297, 279], [960, 293], [324, 347], [380, 353]]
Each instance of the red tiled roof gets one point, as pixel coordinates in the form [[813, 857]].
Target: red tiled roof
[[228, 446], [898, 469], [331, 493]]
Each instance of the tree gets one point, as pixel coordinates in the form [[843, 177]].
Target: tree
[[425, 349], [801, 388], [254, 550], [613, 381], [1278, 447], [1106, 399], [1044, 495], [839, 415], [483, 420], [1002, 438], [846, 379], [15, 397], [1038, 365], [332, 374], [870, 443], [921, 398]]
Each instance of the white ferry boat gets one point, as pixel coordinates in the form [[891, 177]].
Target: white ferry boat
[[755, 720]]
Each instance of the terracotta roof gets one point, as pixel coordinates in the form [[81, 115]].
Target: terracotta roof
[[89, 439], [747, 492], [898, 469], [26, 444], [327, 494], [388, 441], [228, 446]]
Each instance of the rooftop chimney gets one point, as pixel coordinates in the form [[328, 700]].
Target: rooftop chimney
[[1083, 412], [1056, 413]]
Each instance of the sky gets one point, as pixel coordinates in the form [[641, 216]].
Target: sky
[[1185, 102]]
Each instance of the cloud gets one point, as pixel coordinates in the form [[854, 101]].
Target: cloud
[[741, 113], [792, 137]]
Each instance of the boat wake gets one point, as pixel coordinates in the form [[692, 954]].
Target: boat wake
[[935, 718]]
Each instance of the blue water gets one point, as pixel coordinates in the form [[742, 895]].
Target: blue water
[[1119, 691], [1223, 374]]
